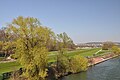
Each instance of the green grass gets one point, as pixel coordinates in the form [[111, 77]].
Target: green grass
[[103, 52], [7, 67], [81, 52], [53, 54], [11, 66], [84, 53]]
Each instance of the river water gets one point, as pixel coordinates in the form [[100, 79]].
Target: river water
[[108, 70]]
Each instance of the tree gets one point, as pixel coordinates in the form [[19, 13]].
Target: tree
[[8, 48], [51, 43], [31, 40], [64, 41], [107, 45], [6, 42]]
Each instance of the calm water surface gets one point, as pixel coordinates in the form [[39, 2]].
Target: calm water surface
[[109, 70]]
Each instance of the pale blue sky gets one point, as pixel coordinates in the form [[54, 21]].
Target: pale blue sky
[[82, 20]]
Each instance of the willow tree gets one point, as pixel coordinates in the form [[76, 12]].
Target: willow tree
[[31, 40], [64, 41]]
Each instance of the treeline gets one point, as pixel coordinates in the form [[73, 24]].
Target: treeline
[[28, 28], [111, 46], [7, 44], [30, 43]]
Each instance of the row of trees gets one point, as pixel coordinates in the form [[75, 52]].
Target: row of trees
[[6, 43], [31, 30], [30, 41], [111, 46]]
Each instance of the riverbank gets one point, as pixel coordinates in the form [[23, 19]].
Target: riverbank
[[96, 60], [107, 70], [100, 59], [92, 61]]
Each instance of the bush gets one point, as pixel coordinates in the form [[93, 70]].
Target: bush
[[116, 50], [78, 63], [62, 64]]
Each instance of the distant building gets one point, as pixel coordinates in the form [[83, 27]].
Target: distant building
[[90, 45], [94, 44]]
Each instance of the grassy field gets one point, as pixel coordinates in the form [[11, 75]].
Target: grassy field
[[81, 52], [103, 52], [84, 53], [7, 67], [11, 66]]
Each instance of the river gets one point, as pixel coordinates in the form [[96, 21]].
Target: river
[[108, 70]]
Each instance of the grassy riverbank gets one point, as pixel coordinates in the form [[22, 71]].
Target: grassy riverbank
[[81, 52], [10, 66], [100, 59]]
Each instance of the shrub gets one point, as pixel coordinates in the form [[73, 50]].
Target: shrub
[[78, 63], [116, 50], [62, 64]]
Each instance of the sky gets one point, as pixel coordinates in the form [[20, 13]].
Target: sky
[[83, 20]]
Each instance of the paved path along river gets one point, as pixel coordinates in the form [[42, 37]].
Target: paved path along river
[[108, 70]]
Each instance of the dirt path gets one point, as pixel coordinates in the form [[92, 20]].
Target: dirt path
[[12, 60]]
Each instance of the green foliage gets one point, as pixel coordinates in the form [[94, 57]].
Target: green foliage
[[51, 43], [116, 50], [31, 40], [64, 41], [62, 63], [7, 47], [78, 63], [6, 42], [13, 56]]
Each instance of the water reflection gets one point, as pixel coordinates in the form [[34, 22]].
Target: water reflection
[[79, 76], [109, 70]]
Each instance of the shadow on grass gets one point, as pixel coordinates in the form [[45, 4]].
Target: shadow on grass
[[1, 77]]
